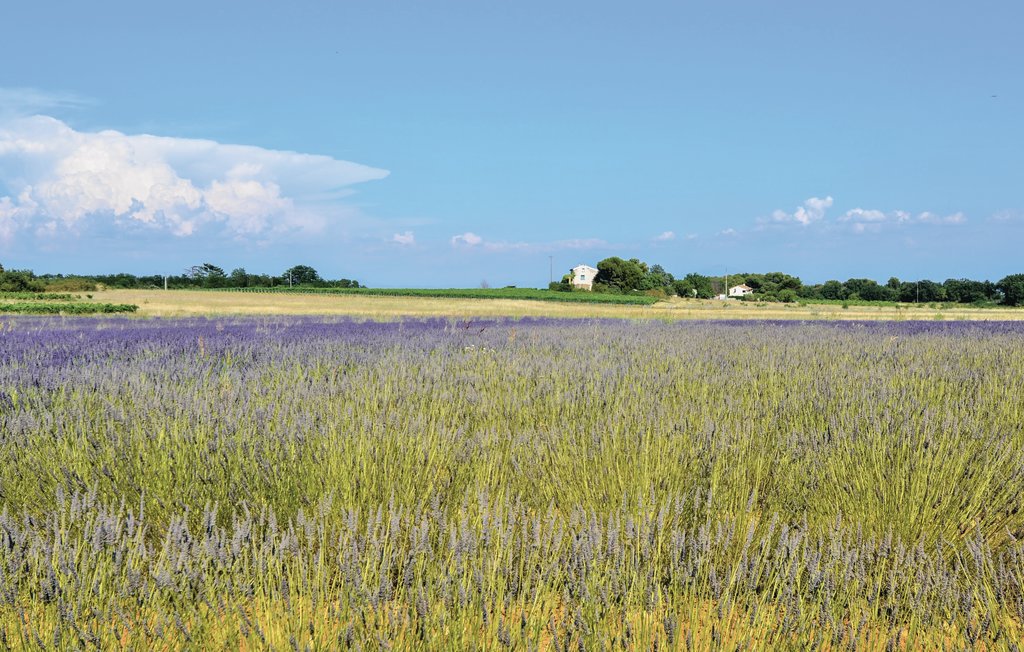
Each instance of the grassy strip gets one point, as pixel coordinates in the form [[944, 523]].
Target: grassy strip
[[37, 296], [29, 308], [528, 294], [935, 305]]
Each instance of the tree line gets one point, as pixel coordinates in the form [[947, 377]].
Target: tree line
[[617, 275], [205, 275]]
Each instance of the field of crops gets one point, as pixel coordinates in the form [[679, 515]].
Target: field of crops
[[323, 483], [57, 303]]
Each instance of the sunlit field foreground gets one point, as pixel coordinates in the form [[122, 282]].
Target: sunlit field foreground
[[184, 303], [321, 483]]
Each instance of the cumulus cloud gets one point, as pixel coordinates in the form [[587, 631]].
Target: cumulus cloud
[[59, 179], [404, 239], [665, 236], [812, 210]]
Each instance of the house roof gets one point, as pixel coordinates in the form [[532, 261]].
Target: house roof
[[743, 286], [585, 266]]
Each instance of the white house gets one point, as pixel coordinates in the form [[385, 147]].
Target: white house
[[583, 277], [740, 290]]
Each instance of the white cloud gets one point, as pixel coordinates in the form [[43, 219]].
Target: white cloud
[[404, 239], [862, 215], [64, 179], [932, 218], [812, 210], [859, 220], [467, 239], [665, 236], [729, 231], [871, 220]]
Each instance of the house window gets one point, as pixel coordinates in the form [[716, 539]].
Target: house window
[[583, 277]]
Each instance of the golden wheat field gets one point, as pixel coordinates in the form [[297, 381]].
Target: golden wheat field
[[180, 303]]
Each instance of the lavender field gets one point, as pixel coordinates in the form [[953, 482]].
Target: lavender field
[[315, 483]]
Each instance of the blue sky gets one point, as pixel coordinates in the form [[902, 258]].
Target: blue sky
[[448, 143]]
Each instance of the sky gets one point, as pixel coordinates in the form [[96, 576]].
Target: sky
[[457, 143]]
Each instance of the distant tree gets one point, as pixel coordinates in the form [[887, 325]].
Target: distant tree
[[963, 290], [1012, 287], [624, 275], [869, 290], [206, 275], [785, 281], [121, 280], [209, 269], [809, 292], [769, 286], [211, 275], [239, 277], [301, 275], [833, 290], [657, 277], [932, 291], [787, 295], [20, 281], [695, 286], [908, 292]]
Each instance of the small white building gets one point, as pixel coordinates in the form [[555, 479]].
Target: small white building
[[740, 290], [582, 277]]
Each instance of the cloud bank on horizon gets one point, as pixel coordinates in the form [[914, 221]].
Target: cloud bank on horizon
[[54, 179]]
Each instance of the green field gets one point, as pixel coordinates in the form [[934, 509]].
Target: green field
[[468, 293], [44, 307]]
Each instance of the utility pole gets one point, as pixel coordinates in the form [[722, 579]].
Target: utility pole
[[165, 281]]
